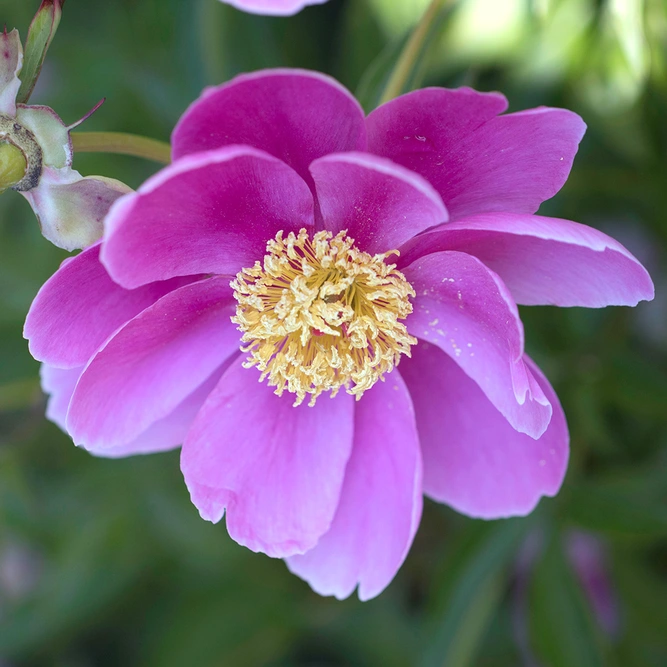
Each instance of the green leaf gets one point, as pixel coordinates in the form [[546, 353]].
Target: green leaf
[[606, 507], [413, 59], [19, 394], [94, 570], [642, 590], [563, 632], [40, 34], [375, 78], [472, 593], [402, 64]]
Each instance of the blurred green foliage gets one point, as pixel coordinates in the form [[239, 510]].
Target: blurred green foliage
[[106, 562]]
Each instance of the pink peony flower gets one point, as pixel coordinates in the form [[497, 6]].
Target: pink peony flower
[[272, 7], [589, 557], [36, 146], [336, 251]]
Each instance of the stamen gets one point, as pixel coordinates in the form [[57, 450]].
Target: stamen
[[318, 315]]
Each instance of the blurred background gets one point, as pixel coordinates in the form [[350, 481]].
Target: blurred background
[[106, 562]]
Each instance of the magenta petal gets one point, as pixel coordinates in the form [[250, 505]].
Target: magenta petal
[[79, 307], [170, 431], [296, 115], [590, 559], [167, 433], [466, 310], [379, 203], [473, 459], [544, 261], [515, 162], [210, 501], [277, 469], [272, 7], [380, 503], [59, 384], [476, 161], [212, 212], [152, 364]]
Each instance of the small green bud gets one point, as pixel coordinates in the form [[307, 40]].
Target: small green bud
[[13, 165], [23, 141]]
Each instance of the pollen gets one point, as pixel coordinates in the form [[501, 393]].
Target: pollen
[[317, 314]]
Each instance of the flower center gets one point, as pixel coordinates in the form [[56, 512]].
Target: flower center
[[318, 315]]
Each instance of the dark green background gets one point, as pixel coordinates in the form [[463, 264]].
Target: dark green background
[[107, 563]]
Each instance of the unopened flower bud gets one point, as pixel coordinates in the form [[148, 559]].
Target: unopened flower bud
[[36, 148], [13, 165]]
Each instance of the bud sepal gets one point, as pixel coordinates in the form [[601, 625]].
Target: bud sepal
[[41, 32], [36, 160]]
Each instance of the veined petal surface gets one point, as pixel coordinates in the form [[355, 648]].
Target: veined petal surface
[[79, 307], [164, 434], [212, 212], [478, 161], [474, 460], [277, 470], [465, 309], [379, 203], [295, 115], [152, 364], [543, 261], [380, 503]]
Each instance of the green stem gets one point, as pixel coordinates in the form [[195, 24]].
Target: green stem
[[119, 142], [411, 52]]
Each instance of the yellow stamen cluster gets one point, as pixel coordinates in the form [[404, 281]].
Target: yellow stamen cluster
[[318, 315]]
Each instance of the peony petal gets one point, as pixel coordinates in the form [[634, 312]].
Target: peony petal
[[466, 310], [379, 203], [79, 307], [474, 460], [589, 557], [167, 433], [380, 503], [207, 213], [476, 161], [277, 469], [59, 384], [170, 431], [544, 261], [11, 59], [150, 365], [71, 208], [272, 7], [296, 115]]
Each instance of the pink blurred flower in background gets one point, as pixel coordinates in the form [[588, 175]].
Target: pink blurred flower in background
[[394, 248], [36, 160], [272, 7], [587, 557]]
